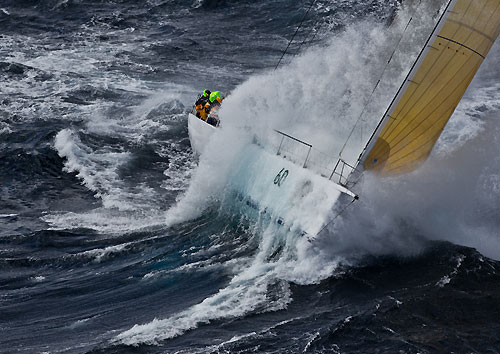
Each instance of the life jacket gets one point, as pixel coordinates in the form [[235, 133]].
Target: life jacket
[[214, 96], [205, 111], [201, 112]]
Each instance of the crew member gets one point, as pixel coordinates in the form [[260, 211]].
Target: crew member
[[214, 100], [212, 107], [200, 104], [203, 98]]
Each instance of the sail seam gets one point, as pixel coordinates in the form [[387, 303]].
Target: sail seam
[[420, 121], [472, 29], [408, 106], [463, 45], [468, 78]]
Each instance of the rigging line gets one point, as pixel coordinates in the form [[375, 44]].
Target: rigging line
[[296, 31], [404, 81], [335, 218], [305, 39], [378, 82], [317, 31]]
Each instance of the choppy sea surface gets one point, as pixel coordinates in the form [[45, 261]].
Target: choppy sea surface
[[116, 238]]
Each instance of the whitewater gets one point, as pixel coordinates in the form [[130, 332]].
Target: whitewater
[[116, 237], [295, 99]]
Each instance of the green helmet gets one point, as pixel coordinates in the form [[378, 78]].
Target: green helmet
[[214, 95], [206, 93]]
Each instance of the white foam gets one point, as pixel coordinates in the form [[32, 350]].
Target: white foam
[[5, 128], [239, 298], [317, 98], [246, 292], [105, 220], [97, 170], [102, 253], [63, 60], [447, 278], [312, 338], [79, 323], [178, 173], [298, 100], [38, 278], [209, 180], [469, 119], [136, 125], [124, 208], [452, 197]]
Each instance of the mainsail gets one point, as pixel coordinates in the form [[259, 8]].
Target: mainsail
[[439, 78]]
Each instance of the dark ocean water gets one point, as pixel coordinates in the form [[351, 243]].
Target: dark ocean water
[[94, 152]]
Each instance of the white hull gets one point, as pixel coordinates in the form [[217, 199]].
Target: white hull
[[292, 195], [289, 194], [200, 133]]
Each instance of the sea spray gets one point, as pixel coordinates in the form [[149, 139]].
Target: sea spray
[[317, 98], [452, 197], [284, 100]]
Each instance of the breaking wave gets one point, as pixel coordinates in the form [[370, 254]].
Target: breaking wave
[[324, 90]]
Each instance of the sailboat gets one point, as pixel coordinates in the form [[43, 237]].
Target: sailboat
[[288, 181]]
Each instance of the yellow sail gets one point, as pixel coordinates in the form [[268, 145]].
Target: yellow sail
[[434, 87]]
